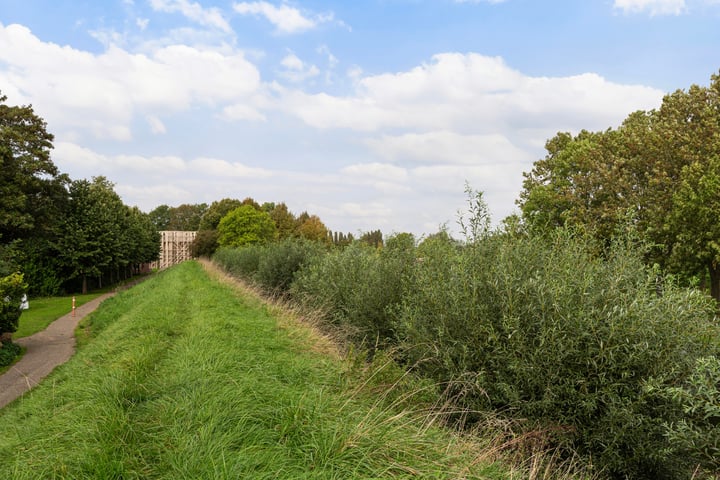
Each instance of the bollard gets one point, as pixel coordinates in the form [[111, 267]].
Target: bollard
[[73, 307]]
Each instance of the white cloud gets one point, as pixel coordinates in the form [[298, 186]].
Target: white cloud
[[242, 111], [223, 168], [472, 93], [653, 7], [78, 91], [156, 125], [208, 17], [296, 70], [286, 19], [445, 147], [72, 157], [142, 23], [377, 171]]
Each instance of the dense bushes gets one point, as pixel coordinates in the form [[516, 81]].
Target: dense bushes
[[602, 354], [360, 288], [551, 333], [271, 266], [12, 289]]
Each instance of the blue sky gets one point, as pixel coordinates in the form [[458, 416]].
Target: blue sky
[[370, 114]]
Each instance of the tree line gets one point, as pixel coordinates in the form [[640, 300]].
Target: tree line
[[58, 232], [658, 174], [232, 222]]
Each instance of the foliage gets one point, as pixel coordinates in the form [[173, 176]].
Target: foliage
[[100, 234], [280, 261], [160, 217], [245, 226], [551, 333], [372, 238], [695, 435], [8, 353], [284, 220], [186, 217], [31, 187], [12, 289], [659, 169], [216, 211], [239, 262], [360, 288], [312, 228], [204, 244]]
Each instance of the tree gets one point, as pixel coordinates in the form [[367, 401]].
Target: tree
[[285, 221], [216, 211], [32, 196], [246, 226], [313, 229], [642, 173], [204, 244], [186, 217], [694, 217], [30, 184], [160, 217], [373, 238], [92, 229]]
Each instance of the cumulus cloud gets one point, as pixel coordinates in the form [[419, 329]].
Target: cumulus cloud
[[295, 70], [286, 19], [376, 170], [101, 93], [222, 168], [208, 17], [471, 93], [445, 147], [653, 7]]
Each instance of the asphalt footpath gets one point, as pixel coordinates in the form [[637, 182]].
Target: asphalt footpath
[[45, 350]]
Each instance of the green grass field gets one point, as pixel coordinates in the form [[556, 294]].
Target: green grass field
[[44, 311], [184, 376]]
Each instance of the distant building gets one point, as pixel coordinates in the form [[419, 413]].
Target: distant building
[[174, 248]]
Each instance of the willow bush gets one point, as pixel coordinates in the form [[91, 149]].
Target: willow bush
[[548, 331], [361, 288]]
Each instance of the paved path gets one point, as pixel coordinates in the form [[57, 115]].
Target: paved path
[[45, 351]]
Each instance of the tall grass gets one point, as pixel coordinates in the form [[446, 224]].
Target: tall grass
[[186, 378]]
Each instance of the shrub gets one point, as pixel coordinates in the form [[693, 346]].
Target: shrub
[[239, 262], [694, 435], [550, 332], [279, 262], [360, 288], [8, 352], [12, 288]]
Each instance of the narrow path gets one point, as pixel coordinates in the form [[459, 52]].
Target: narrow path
[[45, 350]]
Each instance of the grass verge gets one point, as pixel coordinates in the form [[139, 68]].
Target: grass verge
[[186, 378], [44, 311]]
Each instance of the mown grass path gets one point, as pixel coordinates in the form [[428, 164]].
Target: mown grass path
[[183, 376]]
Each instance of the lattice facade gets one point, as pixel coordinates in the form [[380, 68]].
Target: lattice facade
[[174, 248]]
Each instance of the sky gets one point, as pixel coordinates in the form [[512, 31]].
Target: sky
[[371, 114]]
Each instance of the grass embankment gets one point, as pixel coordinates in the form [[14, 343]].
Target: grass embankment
[[44, 311], [184, 377]]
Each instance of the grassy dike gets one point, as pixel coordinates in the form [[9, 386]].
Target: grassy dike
[[184, 376]]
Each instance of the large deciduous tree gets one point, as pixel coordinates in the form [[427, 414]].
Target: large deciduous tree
[[658, 171], [30, 184], [216, 211], [246, 225]]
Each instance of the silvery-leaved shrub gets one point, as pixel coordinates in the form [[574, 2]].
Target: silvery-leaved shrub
[[550, 331]]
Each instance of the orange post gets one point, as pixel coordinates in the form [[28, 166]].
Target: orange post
[[73, 307]]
